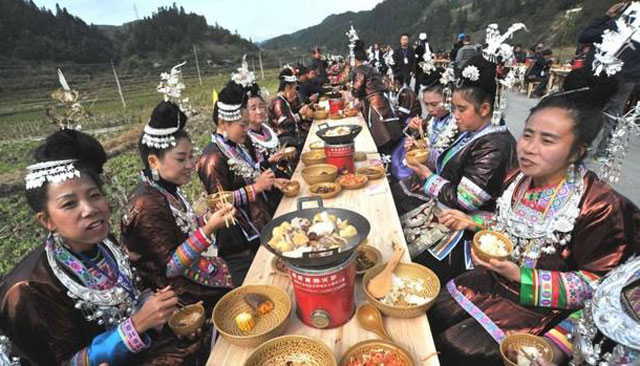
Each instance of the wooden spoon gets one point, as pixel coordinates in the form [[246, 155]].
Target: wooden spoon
[[381, 284], [369, 318]]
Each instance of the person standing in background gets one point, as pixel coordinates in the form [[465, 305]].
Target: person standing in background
[[465, 53], [405, 59]]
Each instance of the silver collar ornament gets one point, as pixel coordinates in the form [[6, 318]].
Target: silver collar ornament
[[605, 315], [5, 351]]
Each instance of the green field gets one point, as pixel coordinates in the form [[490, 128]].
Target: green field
[[24, 124]]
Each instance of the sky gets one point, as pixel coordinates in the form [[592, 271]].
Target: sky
[[255, 19]]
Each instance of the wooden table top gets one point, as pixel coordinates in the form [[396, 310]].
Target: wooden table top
[[374, 201]]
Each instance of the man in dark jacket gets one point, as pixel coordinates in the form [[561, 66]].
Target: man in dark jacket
[[456, 46], [627, 79], [405, 59], [539, 71]]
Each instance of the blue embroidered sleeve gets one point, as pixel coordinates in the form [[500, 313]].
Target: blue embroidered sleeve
[[113, 347]]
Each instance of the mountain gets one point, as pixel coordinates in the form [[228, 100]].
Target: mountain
[[442, 20], [32, 34]]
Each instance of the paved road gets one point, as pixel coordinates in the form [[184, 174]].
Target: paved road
[[629, 185]]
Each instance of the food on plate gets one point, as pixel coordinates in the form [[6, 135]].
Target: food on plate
[[338, 131], [296, 363], [406, 291], [280, 265], [375, 357], [259, 303], [189, 319], [526, 354], [302, 235], [492, 245], [324, 189], [245, 321], [316, 145], [349, 180]]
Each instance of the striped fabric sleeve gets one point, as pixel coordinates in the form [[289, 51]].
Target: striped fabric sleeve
[[243, 196], [481, 218], [554, 289], [187, 253], [560, 333], [433, 185], [470, 196], [113, 347]]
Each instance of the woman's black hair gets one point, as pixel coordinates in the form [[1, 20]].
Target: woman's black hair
[[435, 88], [583, 98], [68, 144], [432, 81], [283, 83], [232, 94], [482, 90], [164, 115], [359, 51]]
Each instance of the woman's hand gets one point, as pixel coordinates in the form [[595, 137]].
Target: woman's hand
[[156, 311], [265, 181], [280, 183], [506, 269], [415, 123], [455, 220], [218, 219], [304, 110], [420, 170]]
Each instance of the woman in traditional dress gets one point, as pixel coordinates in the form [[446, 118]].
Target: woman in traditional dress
[[74, 299], [605, 332], [568, 228], [167, 242], [369, 88], [287, 114], [226, 164], [468, 174]]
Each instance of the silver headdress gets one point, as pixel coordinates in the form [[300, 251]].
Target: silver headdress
[[290, 78], [171, 86], [353, 37], [229, 112], [244, 77], [428, 63], [55, 171], [495, 50], [74, 112], [5, 351], [606, 59]]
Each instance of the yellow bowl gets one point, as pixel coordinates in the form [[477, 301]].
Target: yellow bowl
[[377, 344], [279, 266], [289, 152], [279, 351], [411, 270], [313, 190], [316, 145], [341, 180], [372, 172], [419, 156], [484, 256], [313, 157], [321, 114], [516, 341], [320, 173], [267, 326], [372, 254], [187, 320], [351, 112], [292, 189]]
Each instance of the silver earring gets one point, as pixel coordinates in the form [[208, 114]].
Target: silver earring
[[154, 175], [571, 173], [225, 136]]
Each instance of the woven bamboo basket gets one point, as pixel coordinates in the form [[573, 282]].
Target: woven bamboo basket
[[313, 157], [341, 182], [292, 189], [292, 348], [368, 171], [187, 320], [319, 173], [411, 270], [516, 341], [484, 256], [313, 190], [366, 346], [267, 326]]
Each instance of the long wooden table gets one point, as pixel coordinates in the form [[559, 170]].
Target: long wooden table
[[375, 202]]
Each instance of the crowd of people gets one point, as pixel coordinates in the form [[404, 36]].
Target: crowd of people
[[84, 297]]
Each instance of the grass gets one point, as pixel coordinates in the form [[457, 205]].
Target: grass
[[19, 231]]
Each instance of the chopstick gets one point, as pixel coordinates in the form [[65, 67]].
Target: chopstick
[[181, 303], [224, 201]]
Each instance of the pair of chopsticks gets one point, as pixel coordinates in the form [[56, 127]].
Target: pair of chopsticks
[[224, 202], [181, 303]]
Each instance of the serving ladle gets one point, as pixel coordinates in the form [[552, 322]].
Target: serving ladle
[[369, 318], [380, 285]]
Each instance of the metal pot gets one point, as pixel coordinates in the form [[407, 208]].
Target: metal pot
[[343, 139]]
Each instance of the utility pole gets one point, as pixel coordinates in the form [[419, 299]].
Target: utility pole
[[261, 69], [115, 75], [197, 66]]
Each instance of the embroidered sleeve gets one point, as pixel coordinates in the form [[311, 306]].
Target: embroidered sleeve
[[113, 347], [244, 195], [434, 184], [187, 253], [560, 333], [554, 289]]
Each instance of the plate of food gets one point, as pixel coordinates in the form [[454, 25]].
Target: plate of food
[[315, 236], [325, 190], [352, 181], [413, 290], [372, 172], [376, 352], [489, 244], [252, 314]]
